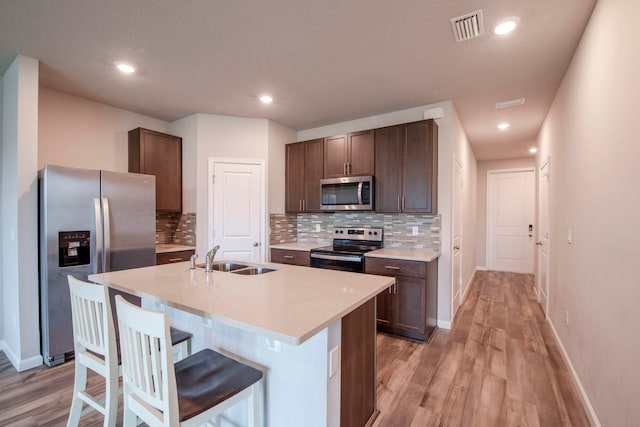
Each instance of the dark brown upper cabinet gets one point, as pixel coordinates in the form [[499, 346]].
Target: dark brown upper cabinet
[[159, 154], [303, 172], [350, 154], [406, 168]]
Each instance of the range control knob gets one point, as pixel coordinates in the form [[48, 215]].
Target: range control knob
[[337, 231], [375, 233]]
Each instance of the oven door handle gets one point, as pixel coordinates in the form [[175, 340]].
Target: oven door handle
[[337, 257]]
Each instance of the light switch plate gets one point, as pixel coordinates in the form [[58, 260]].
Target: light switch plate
[[414, 230], [334, 361], [317, 228], [569, 236]]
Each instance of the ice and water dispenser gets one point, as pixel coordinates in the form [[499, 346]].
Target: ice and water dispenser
[[74, 248]]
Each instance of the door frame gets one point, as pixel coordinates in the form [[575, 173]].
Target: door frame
[[546, 163], [456, 162], [212, 161], [488, 210]]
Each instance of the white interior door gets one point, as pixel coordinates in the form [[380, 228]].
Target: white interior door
[[237, 209], [510, 214], [543, 237], [456, 276]]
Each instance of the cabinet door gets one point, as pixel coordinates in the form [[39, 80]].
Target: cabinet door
[[409, 311], [419, 190], [335, 156], [388, 168], [159, 154], [360, 153], [284, 256], [313, 174], [294, 177]]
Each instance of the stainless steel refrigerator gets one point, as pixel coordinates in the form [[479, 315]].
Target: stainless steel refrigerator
[[91, 221]]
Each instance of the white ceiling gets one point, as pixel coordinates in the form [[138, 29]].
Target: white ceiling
[[323, 61]]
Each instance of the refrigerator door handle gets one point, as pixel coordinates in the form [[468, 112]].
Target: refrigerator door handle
[[98, 213], [107, 234]]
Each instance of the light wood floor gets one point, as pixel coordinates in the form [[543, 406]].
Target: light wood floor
[[498, 366]]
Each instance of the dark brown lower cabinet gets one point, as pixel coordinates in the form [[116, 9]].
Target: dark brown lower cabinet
[[409, 307], [286, 256], [171, 257], [358, 370]]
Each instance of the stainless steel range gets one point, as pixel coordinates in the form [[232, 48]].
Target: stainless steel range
[[348, 249]]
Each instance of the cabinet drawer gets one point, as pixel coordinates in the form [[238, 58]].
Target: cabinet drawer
[[284, 256], [171, 257], [395, 267]]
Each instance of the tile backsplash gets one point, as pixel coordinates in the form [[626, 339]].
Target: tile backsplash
[[176, 228], [398, 228]]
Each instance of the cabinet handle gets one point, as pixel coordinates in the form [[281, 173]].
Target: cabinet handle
[[344, 168], [175, 259], [304, 205], [348, 168], [395, 288], [398, 203], [403, 203], [287, 256], [300, 205], [392, 267]]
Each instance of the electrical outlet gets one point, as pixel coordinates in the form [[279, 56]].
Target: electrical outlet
[[207, 323], [414, 230], [566, 320], [273, 345], [317, 228]]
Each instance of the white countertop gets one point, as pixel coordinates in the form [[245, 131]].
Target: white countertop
[[291, 304], [426, 255], [298, 246], [165, 248]]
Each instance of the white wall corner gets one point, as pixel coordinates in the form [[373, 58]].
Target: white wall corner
[[444, 324], [433, 113], [591, 413], [21, 364]]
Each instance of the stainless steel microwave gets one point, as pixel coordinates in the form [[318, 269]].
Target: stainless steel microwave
[[351, 193]]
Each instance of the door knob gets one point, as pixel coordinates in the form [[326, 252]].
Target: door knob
[[456, 247], [256, 244], [538, 243]]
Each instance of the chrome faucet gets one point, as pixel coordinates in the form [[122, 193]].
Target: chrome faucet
[[208, 265]]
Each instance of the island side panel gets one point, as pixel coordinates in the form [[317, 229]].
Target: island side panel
[[358, 381]]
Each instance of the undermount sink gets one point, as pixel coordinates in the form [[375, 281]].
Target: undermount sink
[[224, 266], [250, 271]]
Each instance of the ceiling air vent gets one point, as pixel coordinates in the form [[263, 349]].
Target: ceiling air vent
[[467, 27]]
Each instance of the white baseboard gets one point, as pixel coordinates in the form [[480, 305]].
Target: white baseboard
[[481, 268], [468, 285], [444, 324], [21, 364], [591, 413]]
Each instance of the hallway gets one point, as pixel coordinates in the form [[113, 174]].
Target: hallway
[[498, 366]]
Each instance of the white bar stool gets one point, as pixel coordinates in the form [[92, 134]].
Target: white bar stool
[[191, 392], [96, 347]]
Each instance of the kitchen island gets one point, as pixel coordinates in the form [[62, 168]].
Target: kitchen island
[[299, 325]]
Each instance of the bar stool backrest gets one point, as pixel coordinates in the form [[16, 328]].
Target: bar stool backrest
[[148, 376]]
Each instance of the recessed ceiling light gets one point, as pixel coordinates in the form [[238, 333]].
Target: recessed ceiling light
[[266, 99], [503, 126], [533, 150], [125, 68], [506, 26]]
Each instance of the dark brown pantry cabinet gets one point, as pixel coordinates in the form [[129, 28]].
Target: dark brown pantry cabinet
[[159, 154], [409, 307], [350, 154], [303, 172], [406, 168]]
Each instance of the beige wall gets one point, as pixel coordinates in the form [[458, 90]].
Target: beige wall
[[279, 136], [1, 227], [464, 154], [77, 132], [481, 222], [591, 138]]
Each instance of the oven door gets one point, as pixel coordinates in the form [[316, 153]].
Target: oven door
[[354, 263]]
